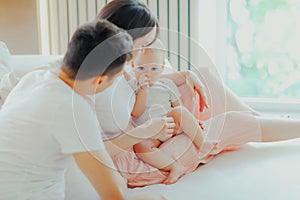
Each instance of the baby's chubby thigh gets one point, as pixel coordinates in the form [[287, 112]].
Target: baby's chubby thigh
[[146, 146]]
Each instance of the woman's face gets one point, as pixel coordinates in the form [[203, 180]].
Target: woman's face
[[140, 43]]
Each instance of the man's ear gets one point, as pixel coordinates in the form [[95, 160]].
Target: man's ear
[[100, 79]]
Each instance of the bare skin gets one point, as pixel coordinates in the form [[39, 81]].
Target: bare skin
[[149, 151], [148, 68], [176, 172]]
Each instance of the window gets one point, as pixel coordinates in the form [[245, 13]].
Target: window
[[263, 48]]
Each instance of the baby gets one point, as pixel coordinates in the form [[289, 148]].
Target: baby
[[157, 97]]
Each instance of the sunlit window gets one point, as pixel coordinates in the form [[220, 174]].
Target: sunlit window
[[263, 48]]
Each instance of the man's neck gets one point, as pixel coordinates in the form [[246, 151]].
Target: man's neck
[[76, 85]]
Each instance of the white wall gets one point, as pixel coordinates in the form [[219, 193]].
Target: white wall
[[18, 26]]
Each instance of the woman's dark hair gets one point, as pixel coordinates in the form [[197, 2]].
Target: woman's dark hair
[[97, 48], [130, 15]]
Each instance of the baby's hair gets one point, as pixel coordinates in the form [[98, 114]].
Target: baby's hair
[[153, 51], [156, 49]]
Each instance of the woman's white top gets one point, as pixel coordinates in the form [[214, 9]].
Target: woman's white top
[[42, 123]]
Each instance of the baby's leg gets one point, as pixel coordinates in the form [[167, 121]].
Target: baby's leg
[[188, 124], [185, 121], [148, 151]]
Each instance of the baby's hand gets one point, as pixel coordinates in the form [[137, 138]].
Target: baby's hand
[[159, 127], [144, 81]]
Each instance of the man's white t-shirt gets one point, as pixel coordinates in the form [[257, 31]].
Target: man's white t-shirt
[[42, 123]]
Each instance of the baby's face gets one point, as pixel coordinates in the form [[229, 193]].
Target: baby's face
[[150, 66]]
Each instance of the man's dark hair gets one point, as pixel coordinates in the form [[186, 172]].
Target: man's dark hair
[[97, 48], [130, 15]]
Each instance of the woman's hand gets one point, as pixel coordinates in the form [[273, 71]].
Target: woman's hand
[[193, 80]]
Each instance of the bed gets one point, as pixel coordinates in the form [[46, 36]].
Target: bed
[[262, 171], [255, 171]]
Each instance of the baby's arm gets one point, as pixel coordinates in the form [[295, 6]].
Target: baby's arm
[[141, 96], [140, 102]]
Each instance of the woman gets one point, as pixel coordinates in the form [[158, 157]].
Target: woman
[[233, 125], [47, 120]]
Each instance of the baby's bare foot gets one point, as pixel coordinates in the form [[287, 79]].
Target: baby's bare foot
[[176, 172]]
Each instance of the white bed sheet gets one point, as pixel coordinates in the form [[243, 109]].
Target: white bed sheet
[[257, 171]]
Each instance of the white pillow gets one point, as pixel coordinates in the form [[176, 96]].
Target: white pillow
[[5, 59], [22, 64], [7, 77], [13, 67]]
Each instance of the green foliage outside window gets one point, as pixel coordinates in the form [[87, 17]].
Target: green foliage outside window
[[263, 48]]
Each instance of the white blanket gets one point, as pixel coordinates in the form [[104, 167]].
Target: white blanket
[[258, 171]]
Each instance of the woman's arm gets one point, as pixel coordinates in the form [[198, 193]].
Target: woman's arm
[[178, 78], [191, 78], [154, 128], [221, 98]]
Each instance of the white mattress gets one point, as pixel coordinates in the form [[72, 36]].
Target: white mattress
[[258, 171]]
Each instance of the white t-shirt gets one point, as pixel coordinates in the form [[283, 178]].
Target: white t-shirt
[[113, 108], [42, 123], [159, 98]]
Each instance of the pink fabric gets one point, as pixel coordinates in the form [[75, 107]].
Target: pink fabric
[[232, 129]]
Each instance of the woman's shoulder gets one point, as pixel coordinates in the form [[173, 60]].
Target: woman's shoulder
[[167, 81], [171, 86]]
